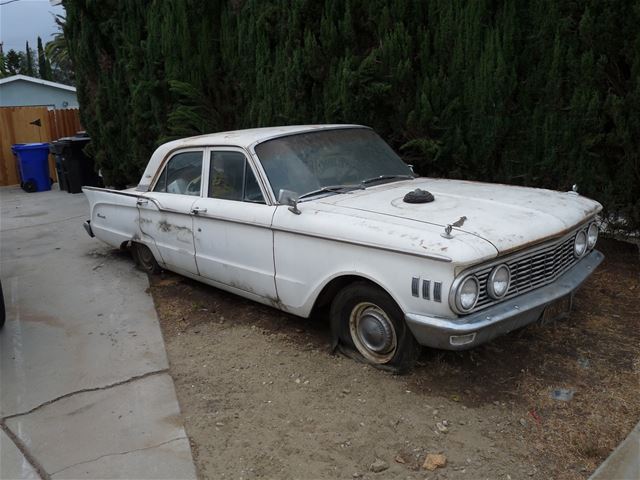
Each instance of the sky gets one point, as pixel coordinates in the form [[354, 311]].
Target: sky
[[25, 20]]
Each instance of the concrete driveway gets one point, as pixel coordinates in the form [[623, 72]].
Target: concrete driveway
[[84, 388]]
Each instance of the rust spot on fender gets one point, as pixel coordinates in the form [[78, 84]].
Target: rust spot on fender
[[165, 226]]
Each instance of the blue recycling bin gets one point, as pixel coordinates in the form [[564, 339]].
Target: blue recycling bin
[[33, 165]]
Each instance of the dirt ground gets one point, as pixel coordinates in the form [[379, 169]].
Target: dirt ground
[[263, 397]]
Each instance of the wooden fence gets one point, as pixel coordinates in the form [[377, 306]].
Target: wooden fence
[[20, 125]]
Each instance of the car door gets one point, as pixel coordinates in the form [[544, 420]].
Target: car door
[[232, 228], [166, 213]]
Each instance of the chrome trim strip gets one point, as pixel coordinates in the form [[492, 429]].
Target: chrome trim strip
[[119, 192], [229, 220], [437, 258], [169, 210]]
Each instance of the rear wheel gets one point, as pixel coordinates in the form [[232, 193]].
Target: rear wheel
[[370, 326], [144, 258]]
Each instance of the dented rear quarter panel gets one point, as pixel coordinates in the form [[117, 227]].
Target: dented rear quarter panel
[[113, 215]]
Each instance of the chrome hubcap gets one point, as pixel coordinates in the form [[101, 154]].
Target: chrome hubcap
[[372, 332]]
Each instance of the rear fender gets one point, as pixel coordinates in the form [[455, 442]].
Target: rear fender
[[115, 218]]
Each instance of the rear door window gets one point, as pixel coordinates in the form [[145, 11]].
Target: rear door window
[[182, 174]]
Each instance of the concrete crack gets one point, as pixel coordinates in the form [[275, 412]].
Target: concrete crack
[[85, 390], [25, 452], [119, 453]]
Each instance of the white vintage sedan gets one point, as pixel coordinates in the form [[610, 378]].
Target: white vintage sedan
[[302, 217]]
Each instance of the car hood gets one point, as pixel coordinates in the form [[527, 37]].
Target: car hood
[[508, 217]]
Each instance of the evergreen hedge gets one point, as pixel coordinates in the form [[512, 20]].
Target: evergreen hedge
[[543, 93]]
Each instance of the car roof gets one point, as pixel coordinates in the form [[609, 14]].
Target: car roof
[[248, 137], [236, 138]]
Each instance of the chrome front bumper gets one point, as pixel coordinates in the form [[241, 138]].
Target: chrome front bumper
[[471, 330]]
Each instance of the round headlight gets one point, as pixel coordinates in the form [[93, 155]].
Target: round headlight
[[498, 282], [467, 294], [580, 243], [592, 235]]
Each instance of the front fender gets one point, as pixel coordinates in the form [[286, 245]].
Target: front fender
[[305, 265]]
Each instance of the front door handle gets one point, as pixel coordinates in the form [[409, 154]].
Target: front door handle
[[197, 210], [141, 201]]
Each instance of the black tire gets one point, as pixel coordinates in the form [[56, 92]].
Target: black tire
[[3, 313], [144, 258], [370, 327]]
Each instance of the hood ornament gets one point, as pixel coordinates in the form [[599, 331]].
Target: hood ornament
[[574, 189], [449, 228]]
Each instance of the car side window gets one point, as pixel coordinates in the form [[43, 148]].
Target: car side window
[[182, 174], [231, 178]]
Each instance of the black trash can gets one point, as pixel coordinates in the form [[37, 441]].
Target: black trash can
[[56, 148], [77, 167]]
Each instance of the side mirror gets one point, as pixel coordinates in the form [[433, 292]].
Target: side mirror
[[287, 197]]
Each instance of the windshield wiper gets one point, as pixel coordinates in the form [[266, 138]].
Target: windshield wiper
[[381, 178], [331, 189]]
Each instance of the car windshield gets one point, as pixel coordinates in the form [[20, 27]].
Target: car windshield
[[307, 162]]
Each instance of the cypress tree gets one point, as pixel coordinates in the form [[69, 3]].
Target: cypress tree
[[540, 93], [44, 67], [28, 58]]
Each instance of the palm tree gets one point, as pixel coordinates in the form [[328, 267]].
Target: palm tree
[[57, 51]]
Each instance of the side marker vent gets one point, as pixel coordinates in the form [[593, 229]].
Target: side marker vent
[[426, 289], [437, 291], [415, 282]]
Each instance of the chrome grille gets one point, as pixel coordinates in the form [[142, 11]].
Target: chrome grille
[[530, 270]]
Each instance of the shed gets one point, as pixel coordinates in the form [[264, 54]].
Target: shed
[[23, 91]]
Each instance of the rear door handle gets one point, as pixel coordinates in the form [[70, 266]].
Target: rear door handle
[[197, 210]]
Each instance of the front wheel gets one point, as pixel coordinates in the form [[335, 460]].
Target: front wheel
[[144, 258], [368, 323]]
